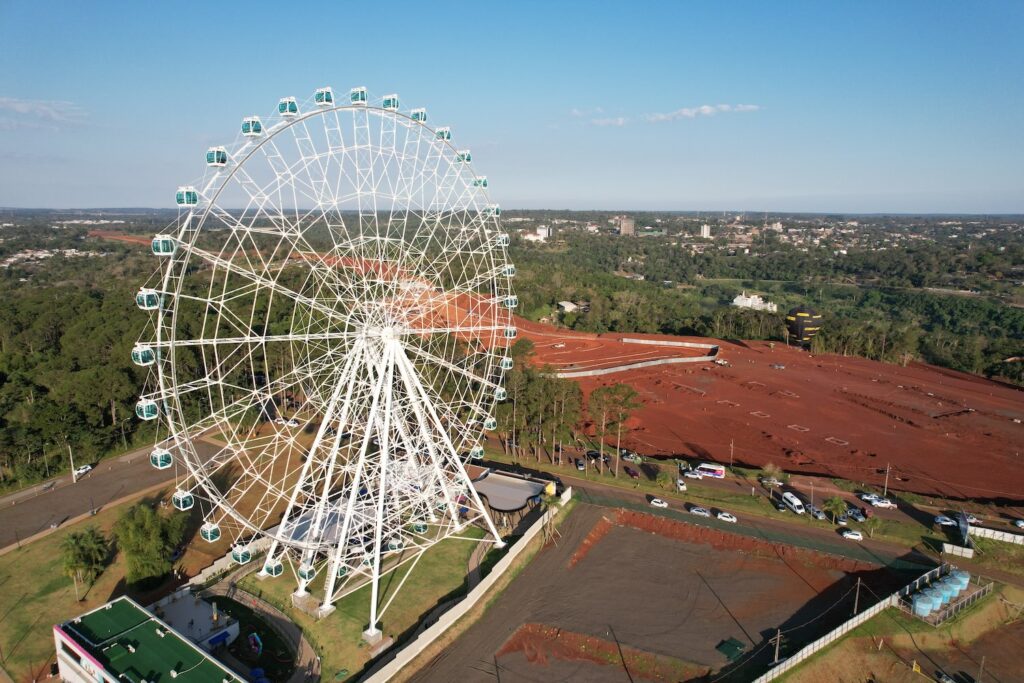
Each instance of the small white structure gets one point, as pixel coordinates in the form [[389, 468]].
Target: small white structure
[[539, 235], [567, 306], [754, 302]]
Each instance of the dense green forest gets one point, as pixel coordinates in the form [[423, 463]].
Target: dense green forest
[[68, 323], [894, 320]]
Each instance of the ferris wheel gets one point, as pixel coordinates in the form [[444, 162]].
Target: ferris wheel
[[331, 325]]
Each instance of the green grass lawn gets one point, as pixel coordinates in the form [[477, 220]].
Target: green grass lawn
[[35, 594], [338, 637]]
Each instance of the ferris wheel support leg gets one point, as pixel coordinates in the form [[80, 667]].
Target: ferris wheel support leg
[[327, 605], [403, 361], [372, 634]]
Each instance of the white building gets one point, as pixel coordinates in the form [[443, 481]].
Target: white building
[[754, 302], [705, 231], [567, 306]]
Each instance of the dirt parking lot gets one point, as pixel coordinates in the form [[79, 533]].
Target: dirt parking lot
[[642, 605]]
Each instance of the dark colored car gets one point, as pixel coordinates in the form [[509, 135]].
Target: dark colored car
[[633, 474]]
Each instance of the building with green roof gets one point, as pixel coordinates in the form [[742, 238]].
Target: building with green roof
[[121, 642]]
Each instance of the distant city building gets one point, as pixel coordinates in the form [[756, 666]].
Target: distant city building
[[627, 226], [754, 302], [121, 641], [539, 235], [705, 231]]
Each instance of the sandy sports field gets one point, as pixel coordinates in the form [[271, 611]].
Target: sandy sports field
[[621, 596]]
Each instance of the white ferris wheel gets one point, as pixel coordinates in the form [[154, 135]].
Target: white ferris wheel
[[330, 329]]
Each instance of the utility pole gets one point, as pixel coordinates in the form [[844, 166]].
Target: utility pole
[[812, 492], [731, 444], [885, 491], [778, 640], [74, 477], [856, 598], [981, 669]]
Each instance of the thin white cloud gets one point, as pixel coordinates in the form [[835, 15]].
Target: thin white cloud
[[703, 110], [578, 113], [617, 121], [50, 114]]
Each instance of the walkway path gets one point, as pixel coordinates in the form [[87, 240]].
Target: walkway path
[[307, 666]]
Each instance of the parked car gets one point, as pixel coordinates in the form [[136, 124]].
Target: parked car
[[658, 503], [693, 474], [593, 456], [633, 474], [726, 517], [680, 484], [884, 503], [82, 471], [700, 512], [771, 482], [632, 457], [868, 497], [558, 345], [580, 465], [943, 520], [856, 515], [815, 512], [842, 520], [852, 535], [942, 677], [292, 423], [779, 505], [1019, 523], [971, 519]]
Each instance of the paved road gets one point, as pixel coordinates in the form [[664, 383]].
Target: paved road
[[33, 510]]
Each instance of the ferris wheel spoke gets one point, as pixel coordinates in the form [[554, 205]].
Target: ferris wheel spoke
[[265, 283]]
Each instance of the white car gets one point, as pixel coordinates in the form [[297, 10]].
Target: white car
[[658, 503], [883, 503], [700, 512], [853, 535], [868, 497], [971, 519], [279, 420], [292, 423], [1019, 523], [771, 482], [693, 474], [558, 345], [726, 517], [680, 484], [943, 520], [82, 471]]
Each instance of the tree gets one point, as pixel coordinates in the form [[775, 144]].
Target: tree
[[148, 539], [83, 555], [662, 479], [602, 401], [626, 400], [836, 506], [871, 525]]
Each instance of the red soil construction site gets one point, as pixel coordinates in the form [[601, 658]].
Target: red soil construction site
[[943, 432]]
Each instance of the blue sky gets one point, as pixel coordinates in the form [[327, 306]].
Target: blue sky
[[798, 106]]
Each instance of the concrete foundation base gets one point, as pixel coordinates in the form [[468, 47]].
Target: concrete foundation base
[[372, 636], [325, 610]]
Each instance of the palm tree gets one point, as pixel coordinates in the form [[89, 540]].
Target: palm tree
[[836, 506], [871, 525], [83, 555]]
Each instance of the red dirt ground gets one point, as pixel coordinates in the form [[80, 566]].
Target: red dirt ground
[[944, 432], [538, 643]]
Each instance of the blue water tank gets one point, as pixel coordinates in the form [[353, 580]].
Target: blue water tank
[[949, 591], [923, 604], [961, 577], [935, 594]]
